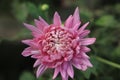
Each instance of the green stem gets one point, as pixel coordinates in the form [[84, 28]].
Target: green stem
[[108, 62]]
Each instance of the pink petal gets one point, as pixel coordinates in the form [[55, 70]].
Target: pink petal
[[37, 62], [35, 34], [76, 17], [69, 21], [75, 42], [36, 56], [85, 64], [70, 70], [84, 67], [78, 66], [43, 21], [66, 78], [83, 27], [84, 55], [88, 63], [57, 70], [35, 31], [63, 70], [56, 19], [27, 52], [32, 28], [84, 33], [77, 50], [88, 41], [41, 24], [85, 49], [76, 26], [63, 73], [30, 43], [40, 70], [35, 52], [76, 63]]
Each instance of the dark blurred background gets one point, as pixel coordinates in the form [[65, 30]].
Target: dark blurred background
[[104, 18]]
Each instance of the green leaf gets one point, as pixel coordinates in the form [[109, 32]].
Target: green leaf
[[40, 78], [92, 70], [33, 10], [58, 78], [116, 52], [20, 10], [87, 73], [27, 76], [106, 21]]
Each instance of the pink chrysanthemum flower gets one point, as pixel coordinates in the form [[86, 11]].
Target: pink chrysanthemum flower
[[59, 47]]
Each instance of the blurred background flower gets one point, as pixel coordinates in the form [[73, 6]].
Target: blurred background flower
[[104, 17]]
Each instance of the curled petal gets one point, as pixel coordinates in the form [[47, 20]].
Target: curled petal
[[88, 41], [40, 70], [56, 19]]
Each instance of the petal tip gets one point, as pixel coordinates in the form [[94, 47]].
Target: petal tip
[[76, 10], [94, 39], [56, 19]]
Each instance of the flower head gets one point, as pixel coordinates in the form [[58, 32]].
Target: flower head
[[59, 47]]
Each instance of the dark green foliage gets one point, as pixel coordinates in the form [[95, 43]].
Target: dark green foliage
[[27, 76]]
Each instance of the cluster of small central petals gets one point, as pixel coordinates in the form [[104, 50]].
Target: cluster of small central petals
[[59, 47]]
